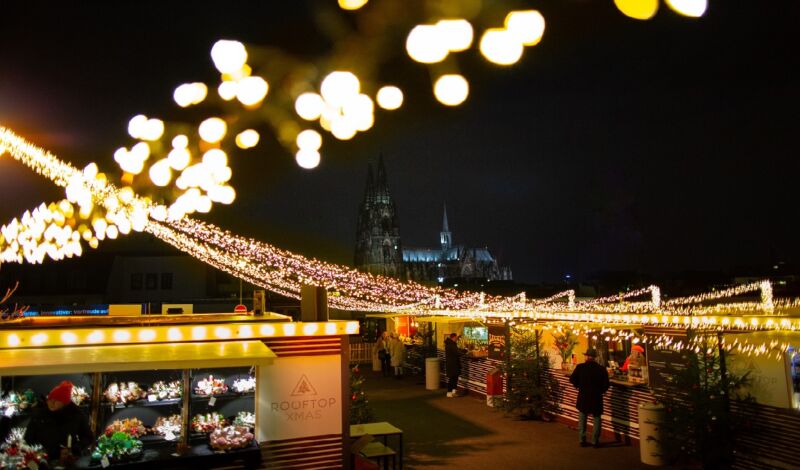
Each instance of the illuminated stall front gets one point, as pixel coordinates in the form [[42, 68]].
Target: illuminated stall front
[[221, 388]]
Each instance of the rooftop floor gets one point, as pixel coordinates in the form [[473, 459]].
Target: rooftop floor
[[464, 433]]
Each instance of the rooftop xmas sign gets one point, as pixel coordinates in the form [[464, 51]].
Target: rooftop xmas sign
[[303, 397]]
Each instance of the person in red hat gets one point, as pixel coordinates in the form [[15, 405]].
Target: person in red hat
[[60, 427]]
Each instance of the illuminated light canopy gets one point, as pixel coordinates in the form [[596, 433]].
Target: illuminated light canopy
[[251, 90], [229, 56], [690, 8], [456, 34], [308, 159], [426, 44], [247, 139], [527, 26], [212, 130], [309, 139], [500, 46], [451, 90], [637, 9], [390, 98], [309, 106]]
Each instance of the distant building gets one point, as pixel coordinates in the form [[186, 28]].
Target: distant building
[[379, 250]]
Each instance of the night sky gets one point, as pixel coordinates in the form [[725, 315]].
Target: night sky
[[655, 146]]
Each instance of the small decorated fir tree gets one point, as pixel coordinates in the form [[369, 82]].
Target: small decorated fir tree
[[360, 412], [529, 390]]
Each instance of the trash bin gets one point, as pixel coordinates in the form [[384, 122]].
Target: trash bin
[[432, 373], [494, 385], [651, 415]]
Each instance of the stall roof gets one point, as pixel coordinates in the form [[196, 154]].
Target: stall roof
[[43, 361]]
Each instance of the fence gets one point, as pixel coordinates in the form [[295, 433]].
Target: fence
[[361, 353]]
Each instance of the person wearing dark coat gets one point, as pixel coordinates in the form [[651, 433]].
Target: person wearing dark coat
[[591, 380], [60, 426], [452, 364]]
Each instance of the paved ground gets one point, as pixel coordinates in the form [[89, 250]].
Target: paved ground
[[463, 433]]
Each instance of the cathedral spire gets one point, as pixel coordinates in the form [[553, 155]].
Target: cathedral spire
[[382, 187], [445, 236], [369, 192]]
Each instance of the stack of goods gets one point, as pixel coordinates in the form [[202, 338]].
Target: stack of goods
[[169, 426], [131, 426], [230, 437], [211, 386], [15, 453], [165, 390], [245, 419], [79, 395], [124, 392], [244, 385], [208, 422], [117, 446], [14, 402]]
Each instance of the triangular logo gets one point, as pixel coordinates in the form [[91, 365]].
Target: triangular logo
[[303, 387]]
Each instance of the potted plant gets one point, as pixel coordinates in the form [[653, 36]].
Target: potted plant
[[565, 342]]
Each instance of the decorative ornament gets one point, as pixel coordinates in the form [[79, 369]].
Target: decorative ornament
[[165, 390], [230, 437], [17, 454], [211, 386], [117, 446], [131, 426], [121, 393], [208, 422], [244, 385]]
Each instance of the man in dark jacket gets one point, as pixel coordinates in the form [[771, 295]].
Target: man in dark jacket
[[591, 380], [60, 426], [452, 364]]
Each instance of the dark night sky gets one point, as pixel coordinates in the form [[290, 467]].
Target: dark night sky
[[615, 144]]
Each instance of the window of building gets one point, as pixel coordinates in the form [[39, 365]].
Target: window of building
[[136, 281], [151, 281], [166, 281]]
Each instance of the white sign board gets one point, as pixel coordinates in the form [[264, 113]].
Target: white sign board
[[300, 397]]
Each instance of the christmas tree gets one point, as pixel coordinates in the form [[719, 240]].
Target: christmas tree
[[529, 390], [698, 424], [360, 412]]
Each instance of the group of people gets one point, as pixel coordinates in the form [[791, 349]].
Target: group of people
[[392, 353]]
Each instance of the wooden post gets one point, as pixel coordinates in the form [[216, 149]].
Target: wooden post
[[186, 400], [97, 384]]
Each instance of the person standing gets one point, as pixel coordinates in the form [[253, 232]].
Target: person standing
[[397, 351], [60, 426], [452, 364], [591, 380], [382, 347]]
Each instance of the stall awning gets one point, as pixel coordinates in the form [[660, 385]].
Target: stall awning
[[63, 360]]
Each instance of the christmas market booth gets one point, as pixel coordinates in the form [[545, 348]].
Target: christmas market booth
[[180, 391]]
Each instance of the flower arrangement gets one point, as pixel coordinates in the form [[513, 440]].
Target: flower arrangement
[[230, 437], [16, 454], [116, 446], [168, 425], [131, 426], [79, 395], [14, 402], [124, 392], [245, 419], [565, 342], [244, 385], [208, 422], [211, 386], [165, 390]]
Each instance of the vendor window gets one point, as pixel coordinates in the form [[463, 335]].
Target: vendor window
[[136, 281], [151, 281], [166, 281]]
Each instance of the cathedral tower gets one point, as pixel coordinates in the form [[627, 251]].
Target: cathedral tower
[[445, 237], [378, 248]]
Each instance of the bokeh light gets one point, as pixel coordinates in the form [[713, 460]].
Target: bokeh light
[[390, 98], [691, 8], [456, 34], [309, 139], [451, 90], [309, 106], [426, 44], [352, 4], [247, 139], [212, 130], [339, 87], [500, 46], [637, 9], [251, 90], [526, 26], [307, 159], [229, 56]]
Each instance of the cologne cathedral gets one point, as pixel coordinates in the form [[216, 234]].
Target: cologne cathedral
[[379, 250]]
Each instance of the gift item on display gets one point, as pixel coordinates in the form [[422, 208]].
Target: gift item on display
[[245, 419], [79, 395], [211, 386], [244, 385], [131, 426], [124, 392], [16, 454], [14, 402], [117, 446], [230, 437], [208, 422], [165, 390], [168, 426]]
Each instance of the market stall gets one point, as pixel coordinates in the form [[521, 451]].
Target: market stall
[[188, 391]]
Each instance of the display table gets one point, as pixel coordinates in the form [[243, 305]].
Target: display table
[[382, 429], [200, 456], [625, 383]]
